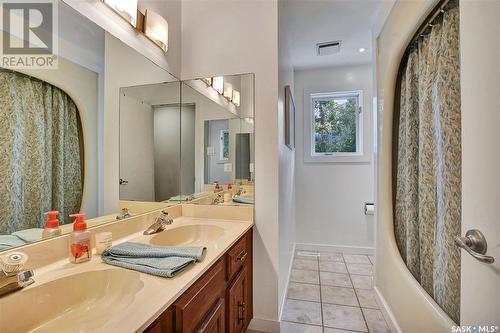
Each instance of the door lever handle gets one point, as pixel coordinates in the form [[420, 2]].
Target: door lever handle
[[475, 244]]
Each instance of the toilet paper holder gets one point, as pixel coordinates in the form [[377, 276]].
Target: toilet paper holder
[[369, 208]]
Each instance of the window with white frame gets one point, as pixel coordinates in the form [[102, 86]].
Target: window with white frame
[[335, 125]]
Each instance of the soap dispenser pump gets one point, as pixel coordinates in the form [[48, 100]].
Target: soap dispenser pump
[[51, 228], [80, 248]]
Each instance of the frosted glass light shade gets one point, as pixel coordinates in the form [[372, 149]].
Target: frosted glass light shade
[[228, 90], [218, 84], [125, 8], [236, 97], [156, 29]]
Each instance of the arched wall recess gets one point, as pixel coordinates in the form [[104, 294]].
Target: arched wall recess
[[422, 314]]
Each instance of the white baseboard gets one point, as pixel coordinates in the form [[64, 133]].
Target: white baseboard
[[264, 325], [335, 248], [287, 281], [386, 311]]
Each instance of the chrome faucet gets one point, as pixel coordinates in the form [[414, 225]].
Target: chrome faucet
[[12, 278], [124, 214], [160, 223], [218, 199]]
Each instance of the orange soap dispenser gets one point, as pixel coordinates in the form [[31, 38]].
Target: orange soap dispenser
[[80, 248], [51, 228]]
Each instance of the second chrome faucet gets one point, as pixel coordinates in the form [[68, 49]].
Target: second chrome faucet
[[160, 224]]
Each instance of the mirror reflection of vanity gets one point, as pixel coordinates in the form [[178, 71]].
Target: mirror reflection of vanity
[[195, 143], [189, 142], [54, 125]]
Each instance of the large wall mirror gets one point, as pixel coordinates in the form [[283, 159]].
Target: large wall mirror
[[217, 157], [189, 142], [150, 143], [58, 126]]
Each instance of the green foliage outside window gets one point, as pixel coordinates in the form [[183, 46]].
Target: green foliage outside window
[[335, 124]]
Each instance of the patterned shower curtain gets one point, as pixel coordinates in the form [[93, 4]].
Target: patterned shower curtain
[[41, 163], [428, 157]]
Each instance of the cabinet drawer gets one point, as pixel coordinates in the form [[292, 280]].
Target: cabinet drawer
[[195, 304], [236, 257]]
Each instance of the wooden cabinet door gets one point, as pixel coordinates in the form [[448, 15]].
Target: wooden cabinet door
[[162, 324], [237, 303], [215, 322], [196, 303]]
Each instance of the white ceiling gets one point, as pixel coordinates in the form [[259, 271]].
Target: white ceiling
[[308, 22]]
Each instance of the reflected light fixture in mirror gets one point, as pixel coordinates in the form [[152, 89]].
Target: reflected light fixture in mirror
[[156, 29], [236, 97], [125, 8], [228, 90], [218, 84]]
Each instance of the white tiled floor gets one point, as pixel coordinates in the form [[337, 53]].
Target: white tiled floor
[[332, 293]]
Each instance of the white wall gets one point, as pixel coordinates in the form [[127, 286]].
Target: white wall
[[286, 164], [106, 18], [231, 37], [330, 196]]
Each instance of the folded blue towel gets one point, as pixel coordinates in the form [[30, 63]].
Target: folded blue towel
[[165, 261], [8, 241], [244, 200], [29, 235]]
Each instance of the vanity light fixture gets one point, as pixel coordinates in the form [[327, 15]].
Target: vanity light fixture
[[228, 91], [125, 8], [218, 84], [208, 81], [156, 29], [236, 97]]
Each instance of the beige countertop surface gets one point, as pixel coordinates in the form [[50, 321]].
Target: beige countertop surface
[[124, 301]]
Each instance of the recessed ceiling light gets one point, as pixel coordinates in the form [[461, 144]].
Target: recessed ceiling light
[[362, 49]]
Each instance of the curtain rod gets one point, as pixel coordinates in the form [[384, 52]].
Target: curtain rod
[[438, 10]]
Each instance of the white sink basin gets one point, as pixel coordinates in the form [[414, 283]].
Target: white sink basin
[[188, 235], [82, 302]]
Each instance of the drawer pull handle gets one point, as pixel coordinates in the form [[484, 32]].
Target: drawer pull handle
[[242, 256], [241, 311]]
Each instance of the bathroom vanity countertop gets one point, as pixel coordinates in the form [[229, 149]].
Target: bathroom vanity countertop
[[137, 309]]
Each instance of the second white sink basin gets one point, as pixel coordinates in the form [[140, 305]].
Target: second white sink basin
[[200, 234], [81, 302]]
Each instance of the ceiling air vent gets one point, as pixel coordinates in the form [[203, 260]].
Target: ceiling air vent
[[328, 48]]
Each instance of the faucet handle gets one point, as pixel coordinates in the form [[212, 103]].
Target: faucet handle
[[25, 278], [164, 218]]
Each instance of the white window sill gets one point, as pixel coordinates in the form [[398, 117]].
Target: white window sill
[[337, 158]]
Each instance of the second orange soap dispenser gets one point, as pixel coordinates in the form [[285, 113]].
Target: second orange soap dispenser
[[80, 248]]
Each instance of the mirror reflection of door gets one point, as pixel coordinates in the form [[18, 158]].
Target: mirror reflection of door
[[187, 148], [242, 155], [166, 152]]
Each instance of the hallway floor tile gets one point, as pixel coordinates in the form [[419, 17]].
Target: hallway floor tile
[[332, 293]]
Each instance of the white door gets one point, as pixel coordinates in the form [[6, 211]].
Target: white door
[[480, 79]]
